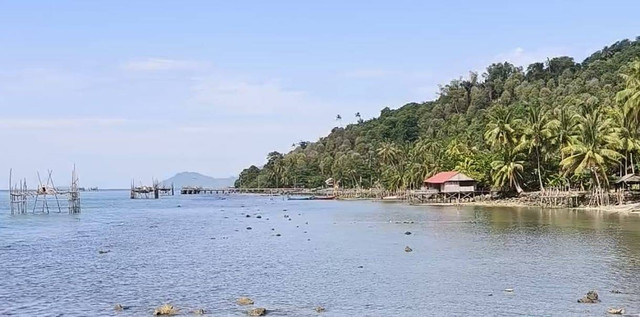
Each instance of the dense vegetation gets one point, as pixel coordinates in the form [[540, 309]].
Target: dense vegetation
[[557, 123]]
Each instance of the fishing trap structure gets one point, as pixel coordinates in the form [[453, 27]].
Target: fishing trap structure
[[46, 196]]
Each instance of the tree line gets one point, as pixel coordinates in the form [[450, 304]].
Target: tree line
[[556, 123]]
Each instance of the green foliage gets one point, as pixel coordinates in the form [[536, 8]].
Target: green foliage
[[559, 123]]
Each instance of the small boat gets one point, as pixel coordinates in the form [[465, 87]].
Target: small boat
[[391, 198], [300, 198], [324, 197]]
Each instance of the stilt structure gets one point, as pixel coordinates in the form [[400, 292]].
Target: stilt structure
[[43, 195], [150, 192]]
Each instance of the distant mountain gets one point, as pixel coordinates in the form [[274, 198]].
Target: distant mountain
[[197, 179]]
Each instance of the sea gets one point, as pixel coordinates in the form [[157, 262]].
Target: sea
[[290, 257]]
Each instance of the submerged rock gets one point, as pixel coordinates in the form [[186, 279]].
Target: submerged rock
[[103, 251], [615, 311], [259, 217], [248, 216], [165, 310], [319, 309], [244, 301], [249, 228], [198, 311], [277, 234], [408, 233], [118, 307], [257, 311], [590, 298], [407, 249], [615, 291]]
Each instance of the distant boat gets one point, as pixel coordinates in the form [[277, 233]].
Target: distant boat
[[391, 198], [299, 198], [311, 198], [324, 197]]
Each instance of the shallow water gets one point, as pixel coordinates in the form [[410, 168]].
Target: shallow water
[[347, 256]]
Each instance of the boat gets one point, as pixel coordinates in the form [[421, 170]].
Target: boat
[[391, 198], [311, 197], [324, 197], [300, 198]]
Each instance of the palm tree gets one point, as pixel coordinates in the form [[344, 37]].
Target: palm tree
[[507, 171], [563, 127], [536, 135], [630, 96], [388, 153], [594, 148], [500, 129], [627, 130]]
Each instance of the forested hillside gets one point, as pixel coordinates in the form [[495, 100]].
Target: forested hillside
[[556, 123]]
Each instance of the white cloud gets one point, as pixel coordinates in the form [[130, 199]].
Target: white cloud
[[162, 64]]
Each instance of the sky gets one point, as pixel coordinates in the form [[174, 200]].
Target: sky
[[145, 89]]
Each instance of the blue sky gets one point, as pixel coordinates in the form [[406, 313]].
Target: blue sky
[[142, 89]]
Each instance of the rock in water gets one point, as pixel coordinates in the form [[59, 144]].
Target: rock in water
[[104, 251], [118, 307], [408, 233], [590, 298], [199, 311], [615, 311], [259, 217], [407, 249], [257, 311], [165, 310], [319, 309], [244, 301], [248, 216]]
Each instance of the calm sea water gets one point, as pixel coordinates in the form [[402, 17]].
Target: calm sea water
[[347, 256]]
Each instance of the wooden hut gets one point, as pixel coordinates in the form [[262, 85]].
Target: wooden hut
[[450, 182], [629, 182]]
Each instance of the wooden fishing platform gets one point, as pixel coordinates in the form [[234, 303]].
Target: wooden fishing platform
[[150, 192]]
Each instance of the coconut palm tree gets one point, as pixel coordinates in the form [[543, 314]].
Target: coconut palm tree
[[630, 95], [507, 171], [536, 136], [563, 127], [501, 131], [594, 148], [388, 153]]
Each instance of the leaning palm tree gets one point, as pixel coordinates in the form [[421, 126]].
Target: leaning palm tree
[[507, 171], [594, 148], [536, 135]]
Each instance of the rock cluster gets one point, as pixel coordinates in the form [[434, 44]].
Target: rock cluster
[[590, 298]]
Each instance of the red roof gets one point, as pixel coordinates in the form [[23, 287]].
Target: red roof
[[441, 177]]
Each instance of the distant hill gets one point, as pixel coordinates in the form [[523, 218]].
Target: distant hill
[[197, 179]]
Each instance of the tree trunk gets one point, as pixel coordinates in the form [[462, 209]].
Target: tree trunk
[[539, 169], [633, 169]]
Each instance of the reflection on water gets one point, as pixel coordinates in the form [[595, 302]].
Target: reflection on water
[[346, 256]]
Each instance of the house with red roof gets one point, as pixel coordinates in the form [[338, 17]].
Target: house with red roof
[[450, 182]]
